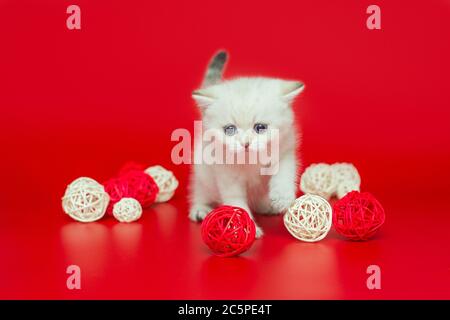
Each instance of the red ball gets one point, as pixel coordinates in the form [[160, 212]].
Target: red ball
[[358, 216], [116, 189], [228, 231], [133, 184], [142, 187]]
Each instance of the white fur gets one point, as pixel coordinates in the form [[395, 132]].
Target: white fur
[[244, 102]]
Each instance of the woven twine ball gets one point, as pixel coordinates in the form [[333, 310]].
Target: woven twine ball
[[347, 178], [127, 210], [132, 184], [85, 200], [319, 179], [117, 189], [309, 218], [166, 181], [358, 216], [142, 187], [228, 231]]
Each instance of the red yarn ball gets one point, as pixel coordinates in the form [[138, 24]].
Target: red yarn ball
[[116, 189], [142, 187], [228, 231], [133, 184], [358, 216]]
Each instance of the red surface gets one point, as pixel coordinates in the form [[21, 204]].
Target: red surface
[[84, 102]]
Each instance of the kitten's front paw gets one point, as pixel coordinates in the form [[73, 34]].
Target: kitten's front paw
[[264, 207], [259, 232], [199, 212], [281, 202]]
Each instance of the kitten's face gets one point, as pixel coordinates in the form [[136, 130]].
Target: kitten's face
[[245, 113]]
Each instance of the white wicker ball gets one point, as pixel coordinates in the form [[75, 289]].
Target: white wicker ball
[[345, 187], [309, 218], [347, 178], [85, 200], [127, 210], [319, 179], [166, 181]]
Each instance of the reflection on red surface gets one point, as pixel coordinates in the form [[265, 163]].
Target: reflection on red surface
[[86, 243], [312, 267], [166, 220], [87, 246], [236, 277], [162, 256], [127, 239]]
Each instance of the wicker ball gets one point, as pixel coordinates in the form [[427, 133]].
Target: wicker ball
[[166, 181], [228, 231], [127, 210], [345, 187], [319, 179], [85, 200], [117, 189], [347, 178], [358, 216], [142, 187], [309, 218]]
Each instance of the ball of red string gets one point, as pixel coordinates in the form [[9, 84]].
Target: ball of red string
[[228, 231], [131, 184], [144, 189], [358, 216]]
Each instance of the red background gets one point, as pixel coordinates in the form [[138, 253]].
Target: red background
[[83, 102]]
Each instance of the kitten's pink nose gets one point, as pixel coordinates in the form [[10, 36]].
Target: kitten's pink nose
[[246, 145]]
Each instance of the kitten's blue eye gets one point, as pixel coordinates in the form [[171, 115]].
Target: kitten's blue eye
[[260, 127], [230, 130]]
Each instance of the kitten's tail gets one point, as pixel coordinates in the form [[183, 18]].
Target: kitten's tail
[[215, 68]]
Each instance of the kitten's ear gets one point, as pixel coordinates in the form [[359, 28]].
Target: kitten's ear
[[291, 89], [203, 97]]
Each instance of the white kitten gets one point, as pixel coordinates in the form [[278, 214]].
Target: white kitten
[[242, 113]]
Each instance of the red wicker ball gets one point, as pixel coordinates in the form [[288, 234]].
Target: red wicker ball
[[134, 184], [142, 187], [116, 189], [358, 216], [228, 231], [131, 166]]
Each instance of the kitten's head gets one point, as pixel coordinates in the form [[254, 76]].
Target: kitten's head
[[243, 112]]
